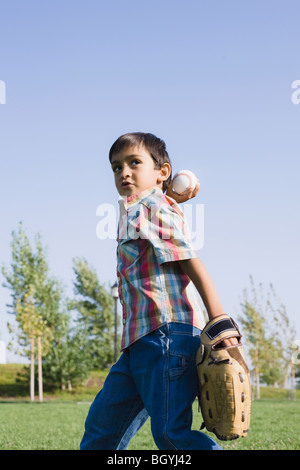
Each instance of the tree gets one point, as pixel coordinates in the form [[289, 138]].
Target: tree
[[29, 268], [296, 364], [37, 298], [69, 362], [36, 329], [66, 354], [95, 307], [268, 333], [253, 324], [284, 334]]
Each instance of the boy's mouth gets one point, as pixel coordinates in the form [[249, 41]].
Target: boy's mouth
[[126, 184]]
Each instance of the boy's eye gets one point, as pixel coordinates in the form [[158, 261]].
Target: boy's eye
[[116, 168]]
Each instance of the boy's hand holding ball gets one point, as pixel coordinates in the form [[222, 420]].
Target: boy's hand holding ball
[[184, 186]]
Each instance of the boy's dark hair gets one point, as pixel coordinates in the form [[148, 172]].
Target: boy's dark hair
[[154, 145]]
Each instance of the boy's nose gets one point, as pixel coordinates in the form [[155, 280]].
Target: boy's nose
[[125, 171]]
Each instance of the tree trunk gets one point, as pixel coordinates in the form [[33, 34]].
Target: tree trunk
[[257, 384], [40, 370], [293, 381], [32, 370]]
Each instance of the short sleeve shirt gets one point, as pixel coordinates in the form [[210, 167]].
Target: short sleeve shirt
[[153, 289]]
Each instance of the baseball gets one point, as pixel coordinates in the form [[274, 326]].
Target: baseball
[[183, 182]]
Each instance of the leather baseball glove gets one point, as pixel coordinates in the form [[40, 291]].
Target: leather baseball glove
[[225, 392]]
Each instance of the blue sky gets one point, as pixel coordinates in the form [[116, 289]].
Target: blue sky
[[212, 78]]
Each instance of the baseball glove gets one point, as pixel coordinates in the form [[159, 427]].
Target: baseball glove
[[225, 392]]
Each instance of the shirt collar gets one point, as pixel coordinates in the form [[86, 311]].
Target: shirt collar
[[136, 198]]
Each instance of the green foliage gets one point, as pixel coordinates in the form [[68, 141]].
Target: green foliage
[[29, 276], [95, 308], [41, 310], [68, 363], [11, 383], [32, 323], [268, 335]]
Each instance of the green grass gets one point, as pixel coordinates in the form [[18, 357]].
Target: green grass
[[41, 426], [60, 425], [58, 422], [274, 426]]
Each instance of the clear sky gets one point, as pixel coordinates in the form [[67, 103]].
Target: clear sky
[[213, 78]]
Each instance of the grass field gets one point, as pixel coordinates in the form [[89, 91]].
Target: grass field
[[58, 424]]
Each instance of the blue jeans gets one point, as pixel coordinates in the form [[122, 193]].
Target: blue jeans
[[155, 377]]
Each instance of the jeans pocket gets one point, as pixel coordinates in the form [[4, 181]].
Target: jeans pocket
[[178, 365], [182, 353]]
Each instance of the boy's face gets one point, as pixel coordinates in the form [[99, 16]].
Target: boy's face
[[134, 171]]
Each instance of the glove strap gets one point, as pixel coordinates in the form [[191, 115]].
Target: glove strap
[[219, 328]]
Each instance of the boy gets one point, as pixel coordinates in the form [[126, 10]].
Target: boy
[[156, 373]]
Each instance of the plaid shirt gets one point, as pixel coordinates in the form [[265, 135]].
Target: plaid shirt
[[153, 290]]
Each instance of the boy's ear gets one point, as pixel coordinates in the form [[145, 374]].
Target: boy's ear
[[164, 172]]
